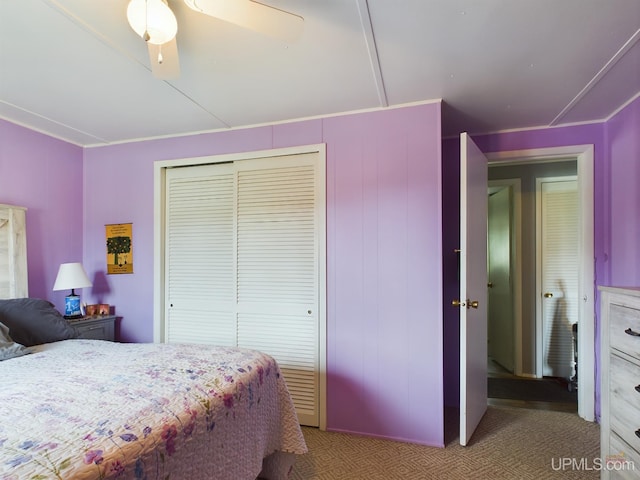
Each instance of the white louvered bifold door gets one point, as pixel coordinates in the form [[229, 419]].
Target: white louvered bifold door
[[242, 263], [560, 274], [278, 271], [200, 255]]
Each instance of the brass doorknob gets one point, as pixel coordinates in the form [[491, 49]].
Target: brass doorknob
[[490, 284], [468, 304], [548, 295]]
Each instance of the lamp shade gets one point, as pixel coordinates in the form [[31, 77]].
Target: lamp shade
[[70, 276], [153, 20]]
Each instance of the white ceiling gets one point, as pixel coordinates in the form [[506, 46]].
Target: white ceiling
[[74, 68]]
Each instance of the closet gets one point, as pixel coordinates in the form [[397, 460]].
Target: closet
[[244, 262], [13, 252]]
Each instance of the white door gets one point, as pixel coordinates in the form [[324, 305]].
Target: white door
[[278, 238], [473, 287], [500, 310], [199, 255], [245, 262], [558, 274]]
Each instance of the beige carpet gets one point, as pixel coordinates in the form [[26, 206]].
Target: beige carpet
[[510, 443]]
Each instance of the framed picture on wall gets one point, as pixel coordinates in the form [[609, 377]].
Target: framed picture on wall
[[119, 248]]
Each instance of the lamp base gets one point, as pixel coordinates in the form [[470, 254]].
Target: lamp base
[[72, 307]]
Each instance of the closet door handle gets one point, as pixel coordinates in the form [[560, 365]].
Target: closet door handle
[[629, 331]]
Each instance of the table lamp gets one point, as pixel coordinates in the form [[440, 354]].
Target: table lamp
[[71, 276]]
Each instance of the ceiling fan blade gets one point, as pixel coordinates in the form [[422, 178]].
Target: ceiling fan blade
[[165, 64], [254, 16]]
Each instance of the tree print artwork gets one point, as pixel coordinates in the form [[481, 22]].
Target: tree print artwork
[[119, 248]]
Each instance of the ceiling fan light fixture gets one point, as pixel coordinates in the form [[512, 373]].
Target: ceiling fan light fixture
[[153, 20]]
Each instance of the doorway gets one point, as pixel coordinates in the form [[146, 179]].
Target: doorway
[[504, 168], [554, 249]]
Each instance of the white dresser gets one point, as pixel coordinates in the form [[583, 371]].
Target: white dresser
[[620, 383]]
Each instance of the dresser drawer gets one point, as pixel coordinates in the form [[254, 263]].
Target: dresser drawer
[[622, 462], [624, 400], [623, 320]]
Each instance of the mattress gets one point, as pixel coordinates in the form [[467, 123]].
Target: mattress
[[90, 409]]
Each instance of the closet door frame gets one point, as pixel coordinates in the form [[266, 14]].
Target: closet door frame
[[159, 307]]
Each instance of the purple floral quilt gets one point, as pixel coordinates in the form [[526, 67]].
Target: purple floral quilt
[[89, 409]]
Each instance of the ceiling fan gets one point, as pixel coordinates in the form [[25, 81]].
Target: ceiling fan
[[154, 21]]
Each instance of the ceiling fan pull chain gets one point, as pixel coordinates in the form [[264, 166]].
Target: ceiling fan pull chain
[[146, 35], [160, 57]]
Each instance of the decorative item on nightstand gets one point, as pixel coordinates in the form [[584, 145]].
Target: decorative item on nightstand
[[71, 276]]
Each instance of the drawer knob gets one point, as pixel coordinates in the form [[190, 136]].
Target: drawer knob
[[629, 331]]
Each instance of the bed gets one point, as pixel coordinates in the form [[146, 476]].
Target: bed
[[90, 409]]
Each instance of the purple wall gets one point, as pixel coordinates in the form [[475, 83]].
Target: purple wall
[[384, 348], [623, 150], [450, 269], [44, 175], [384, 315]]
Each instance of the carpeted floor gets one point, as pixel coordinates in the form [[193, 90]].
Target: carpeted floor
[[510, 444], [537, 390]]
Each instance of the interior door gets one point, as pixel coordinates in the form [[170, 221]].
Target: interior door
[[473, 287], [278, 259], [558, 274], [500, 298]]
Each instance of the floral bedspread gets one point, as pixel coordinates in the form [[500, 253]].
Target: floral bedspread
[[89, 409]]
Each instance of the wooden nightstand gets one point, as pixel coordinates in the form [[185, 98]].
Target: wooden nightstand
[[96, 327]]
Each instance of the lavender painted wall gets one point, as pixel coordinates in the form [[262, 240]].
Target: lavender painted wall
[[450, 269], [45, 175], [384, 334], [623, 150], [384, 289]]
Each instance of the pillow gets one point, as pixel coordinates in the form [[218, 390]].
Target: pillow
[[33, 321], [9, 348]]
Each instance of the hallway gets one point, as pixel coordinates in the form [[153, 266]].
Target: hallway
[[506, 389]]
